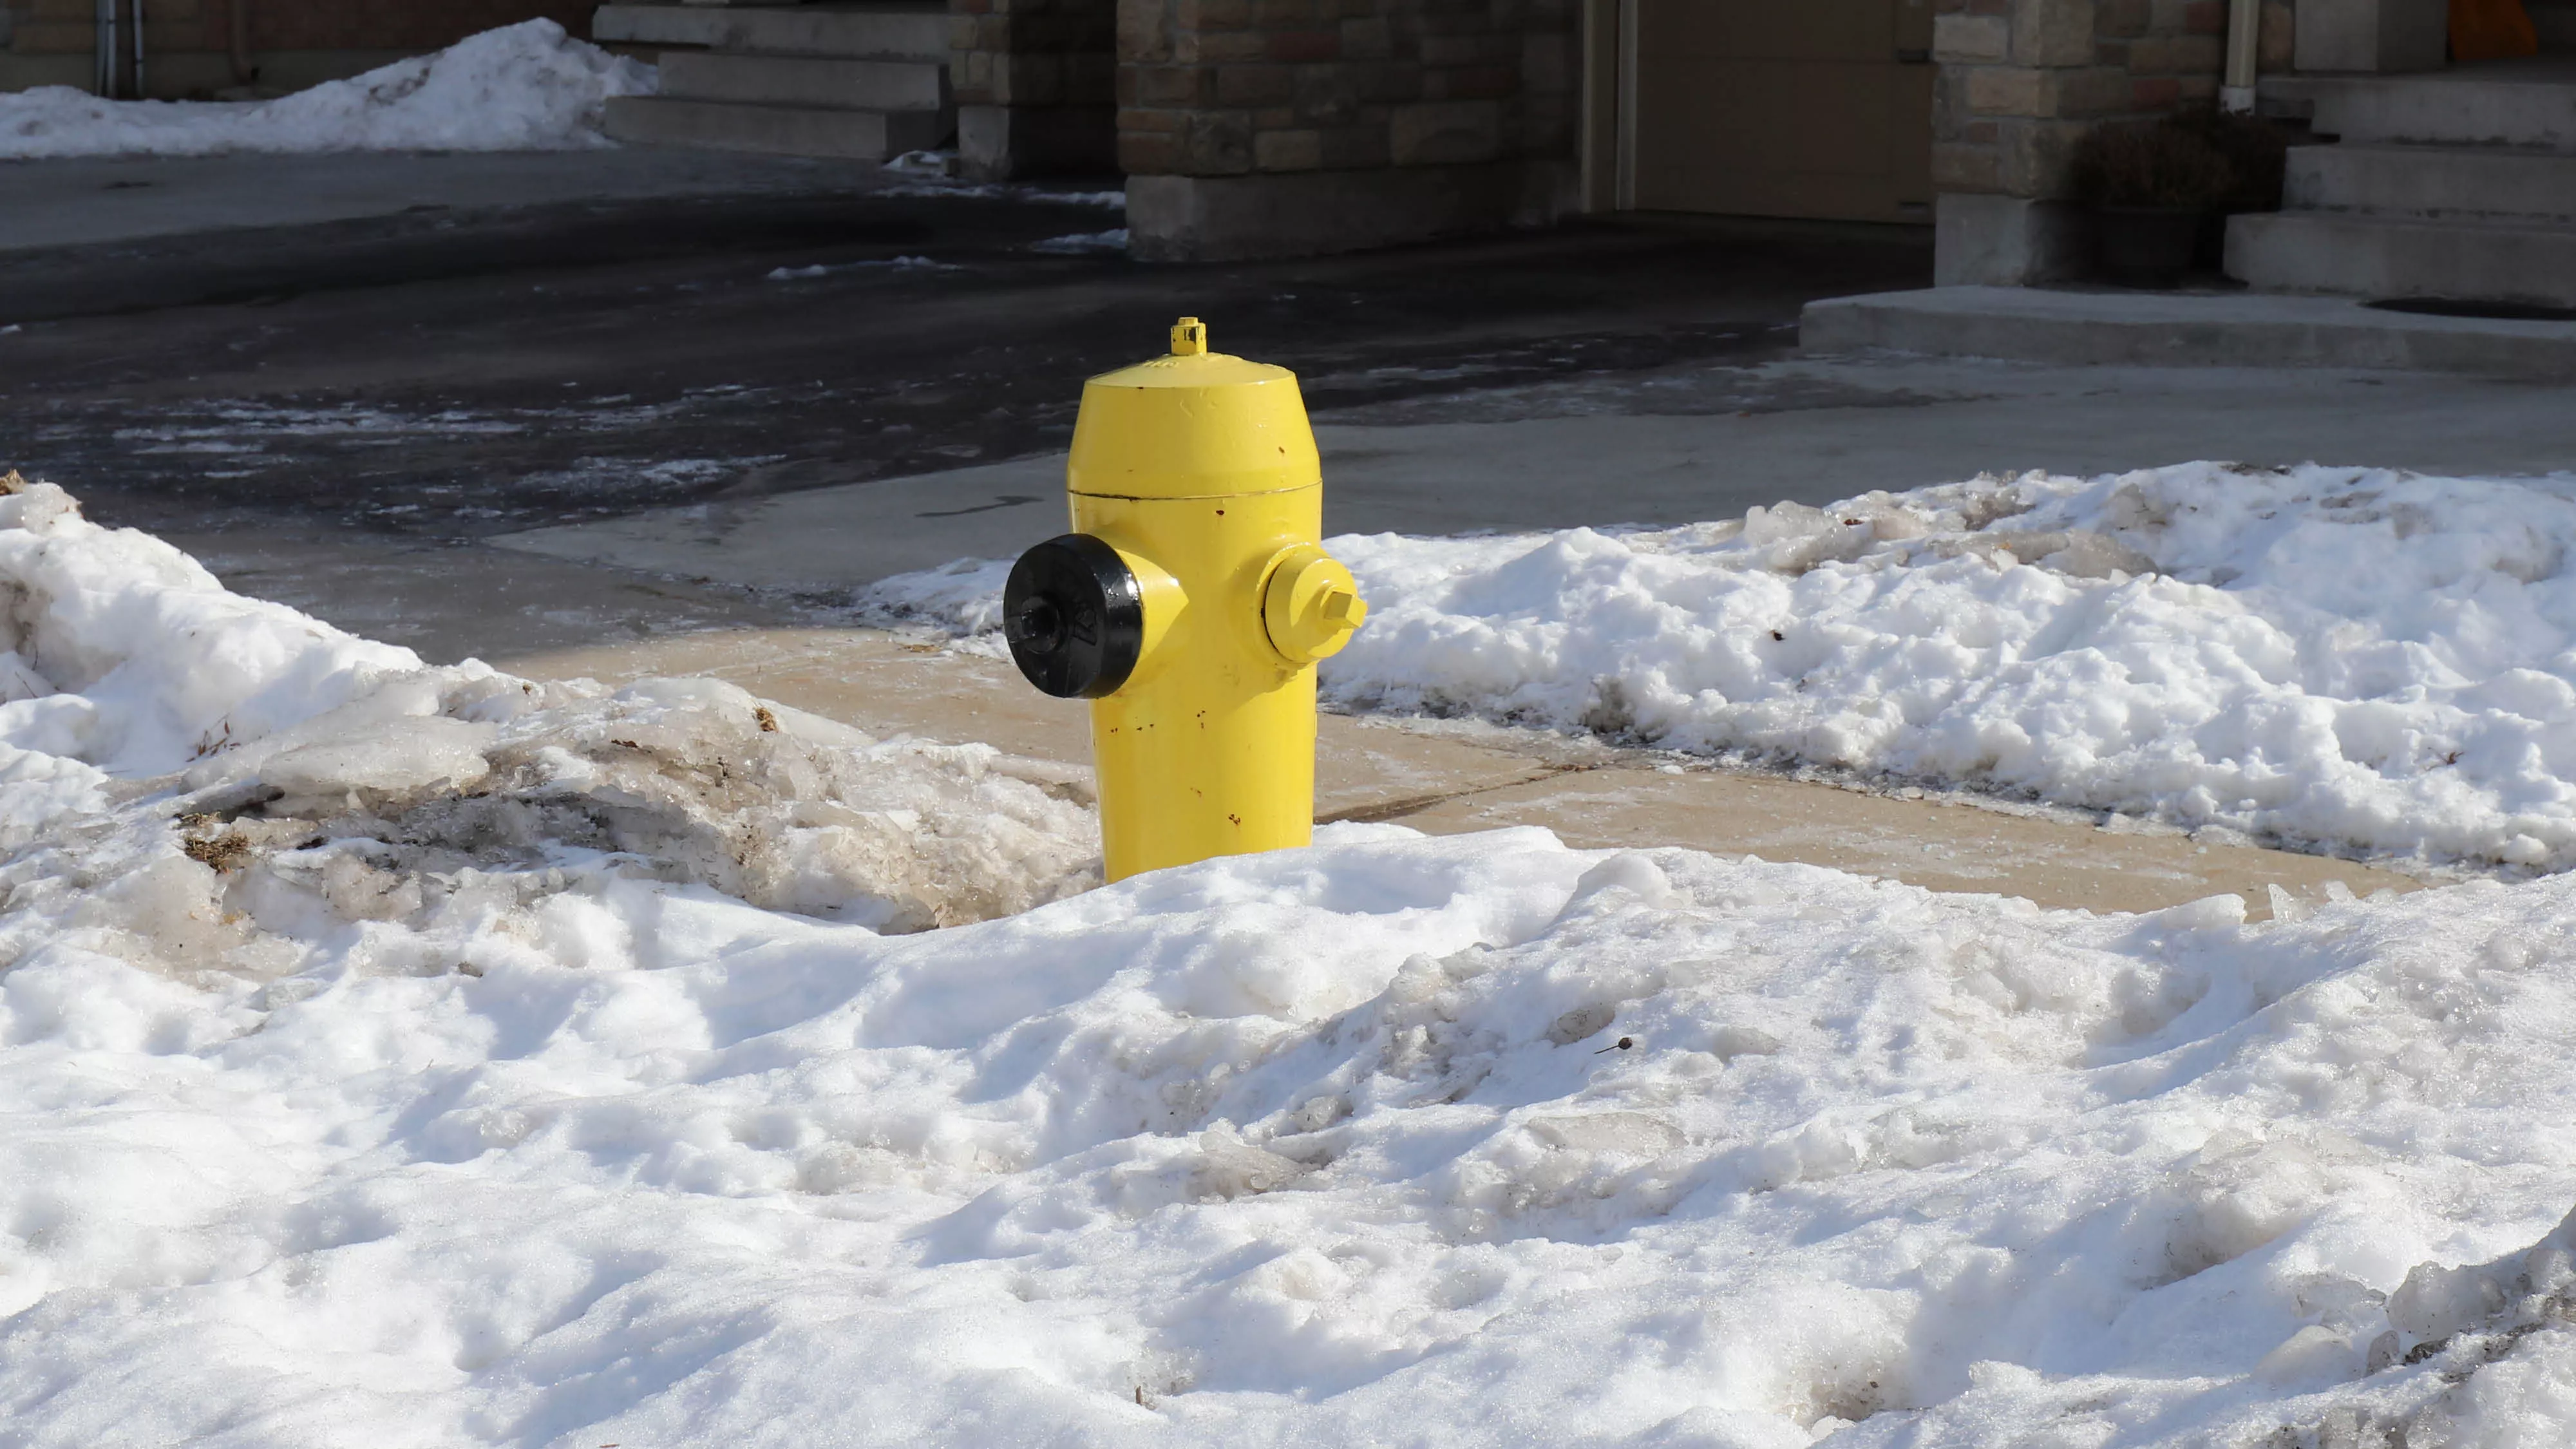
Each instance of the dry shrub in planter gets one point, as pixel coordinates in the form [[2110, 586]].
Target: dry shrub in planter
[[2155, 184]]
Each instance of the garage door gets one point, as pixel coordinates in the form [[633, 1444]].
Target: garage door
[[1810, 108]]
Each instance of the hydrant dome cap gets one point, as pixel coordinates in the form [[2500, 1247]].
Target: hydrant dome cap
[[1205, 369]]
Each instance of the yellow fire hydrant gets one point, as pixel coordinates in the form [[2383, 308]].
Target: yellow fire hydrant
[[1189, 605]]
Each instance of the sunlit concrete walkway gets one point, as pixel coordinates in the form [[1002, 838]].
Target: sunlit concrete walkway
[[1448, 778]]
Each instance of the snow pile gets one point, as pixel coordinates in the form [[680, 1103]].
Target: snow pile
[[524, 87], [1473, 1141], [403, 1056], [152, 718], [964, 596], [2373, 661]]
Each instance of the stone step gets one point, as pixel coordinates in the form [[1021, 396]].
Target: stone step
[[2556, 22], [777, 130], [2505, 104], [2432, 182], [803, 80], [2386, 257], [867, 32]]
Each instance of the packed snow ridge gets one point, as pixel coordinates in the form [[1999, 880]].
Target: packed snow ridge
[[421, 1056], [524, 87], [2375, 662]]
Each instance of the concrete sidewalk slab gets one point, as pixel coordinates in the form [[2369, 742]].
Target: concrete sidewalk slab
[[2176, 329], [88, 201], [450, 603], [1586, 452], [1446, 778]]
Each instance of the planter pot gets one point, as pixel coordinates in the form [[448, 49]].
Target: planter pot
[[2147, 246]]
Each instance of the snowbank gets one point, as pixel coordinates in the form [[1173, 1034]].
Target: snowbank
[[393, 1056], [293, 756], [524, 87], [2373, 661]]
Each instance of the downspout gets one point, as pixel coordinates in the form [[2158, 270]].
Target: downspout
[[106, 48], [2244, 47], [138, 49], [244, 72]]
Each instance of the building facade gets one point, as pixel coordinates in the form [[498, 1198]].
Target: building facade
[[1283, 127]]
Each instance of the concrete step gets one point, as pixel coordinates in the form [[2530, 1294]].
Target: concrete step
[[867, 32], [2172, 329], [2385, 257], [2526, 103], [2556, 22], [803, 80], [777, 130], [2432, 182]]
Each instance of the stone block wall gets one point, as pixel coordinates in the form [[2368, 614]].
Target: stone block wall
[[2021, 79], [1035, 83], [1033, 52], [1211, 88]]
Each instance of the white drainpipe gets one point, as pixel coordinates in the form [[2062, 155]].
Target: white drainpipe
[[2244, 43], [138, 49]]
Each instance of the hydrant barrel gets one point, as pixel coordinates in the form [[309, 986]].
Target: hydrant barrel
[[1190, 604]]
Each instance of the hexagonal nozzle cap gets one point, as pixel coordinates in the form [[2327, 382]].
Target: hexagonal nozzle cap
[[1311, 605]]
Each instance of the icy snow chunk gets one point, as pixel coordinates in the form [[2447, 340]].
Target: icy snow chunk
[[1112, 240], [397, 759], [2436, 1302], [19, 680], [1230, 1167]]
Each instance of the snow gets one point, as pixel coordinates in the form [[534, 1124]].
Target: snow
[[524, 87], [422, 1056], [825, 269], [998, 191], [2379, 663], [1080, 243]]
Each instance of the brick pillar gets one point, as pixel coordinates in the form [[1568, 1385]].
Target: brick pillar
[[1034, 86], [2021, 80], [1290, 127]]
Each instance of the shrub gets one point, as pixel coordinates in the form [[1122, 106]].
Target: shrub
[[2198, 160]]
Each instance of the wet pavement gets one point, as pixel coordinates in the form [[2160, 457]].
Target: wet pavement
[[454, 374], [583, 399]]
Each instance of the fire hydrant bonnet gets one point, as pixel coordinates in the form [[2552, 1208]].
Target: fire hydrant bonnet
[[1192, 426]]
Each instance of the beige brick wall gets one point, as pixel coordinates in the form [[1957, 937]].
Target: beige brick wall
[[1229, 87], [2021, 79]]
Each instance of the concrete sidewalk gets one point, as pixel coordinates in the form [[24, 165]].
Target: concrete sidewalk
[[1446, 778], [1605, 450]]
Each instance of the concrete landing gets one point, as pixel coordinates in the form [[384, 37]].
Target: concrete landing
[[1448, 778], [2179, 329]]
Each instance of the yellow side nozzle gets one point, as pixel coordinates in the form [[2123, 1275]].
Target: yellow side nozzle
[[1189, 337], [1311, 605]]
